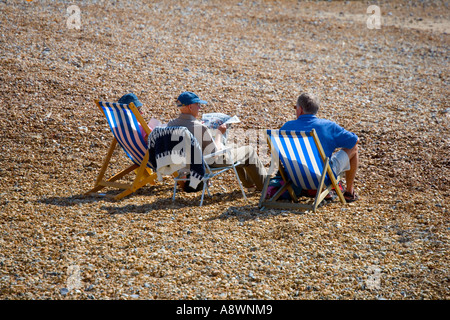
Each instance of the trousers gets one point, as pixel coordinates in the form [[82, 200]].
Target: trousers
[[251, 170]]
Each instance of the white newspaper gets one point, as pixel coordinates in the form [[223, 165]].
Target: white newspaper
[[214, 120]]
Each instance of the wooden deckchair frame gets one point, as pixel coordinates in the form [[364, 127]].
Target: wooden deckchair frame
[[144, 175], [322, 191]]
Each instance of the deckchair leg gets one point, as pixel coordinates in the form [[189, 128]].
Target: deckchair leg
[[272, 201], [285, 178], [143, 177], [335, 185], [264, 191], [135, 187], [334, 182], [141, 170], [174, 190], [319, 194], [119, 175], [123, 194], [280, 191], [239, 182], [101, 174], [339, 192], [205, 183], [111, 149]]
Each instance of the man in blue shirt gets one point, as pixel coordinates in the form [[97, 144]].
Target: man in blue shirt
[[332, 137]]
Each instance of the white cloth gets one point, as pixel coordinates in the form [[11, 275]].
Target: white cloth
[[175, 148]]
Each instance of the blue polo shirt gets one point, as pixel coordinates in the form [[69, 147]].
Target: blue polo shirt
[[331, 135]]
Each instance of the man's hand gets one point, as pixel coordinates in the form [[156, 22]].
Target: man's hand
[[222, 128]]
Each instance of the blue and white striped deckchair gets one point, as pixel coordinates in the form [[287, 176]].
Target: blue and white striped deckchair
[[124, 123], [301, 162]]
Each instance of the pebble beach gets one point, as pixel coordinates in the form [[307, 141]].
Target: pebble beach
[[388, 83]]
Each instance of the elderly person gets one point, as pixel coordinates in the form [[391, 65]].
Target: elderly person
[[332, 137], [127, 99], [251, 171]]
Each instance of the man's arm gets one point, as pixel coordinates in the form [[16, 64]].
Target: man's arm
[[208, 143], [220, 132]]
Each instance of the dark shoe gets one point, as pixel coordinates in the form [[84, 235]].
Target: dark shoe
[[349, 197]]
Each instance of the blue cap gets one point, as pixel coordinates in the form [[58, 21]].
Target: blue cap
[[128, 98], [187, 98]]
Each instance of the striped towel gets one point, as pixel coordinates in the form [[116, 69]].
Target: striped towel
[[175, 148]]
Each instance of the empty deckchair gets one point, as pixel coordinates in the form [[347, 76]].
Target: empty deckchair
[[302, 162], [123, 121]]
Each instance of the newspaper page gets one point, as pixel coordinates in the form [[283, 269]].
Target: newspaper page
[[214, 120]]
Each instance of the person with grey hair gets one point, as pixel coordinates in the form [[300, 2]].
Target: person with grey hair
[[332, 137]]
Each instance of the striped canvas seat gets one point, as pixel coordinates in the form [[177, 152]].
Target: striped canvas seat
[[124, 123], [125, 128], [300, 157], [302, 162]]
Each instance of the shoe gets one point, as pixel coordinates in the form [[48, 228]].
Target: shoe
[[349, 197]]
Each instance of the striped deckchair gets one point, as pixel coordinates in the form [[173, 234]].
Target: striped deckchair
[[123, 121], [302, 162]]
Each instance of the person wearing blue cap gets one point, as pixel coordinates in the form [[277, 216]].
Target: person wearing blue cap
[[189, 105], [127, 99], [251, 171], [130, 97]]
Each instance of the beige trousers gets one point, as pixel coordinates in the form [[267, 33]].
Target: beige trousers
[[251, 171]]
